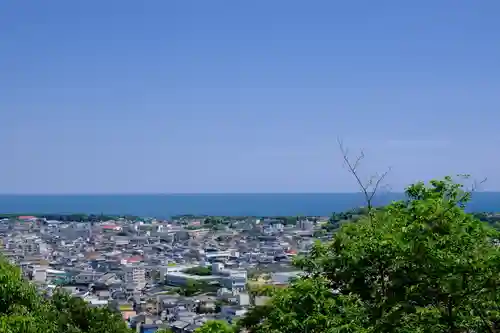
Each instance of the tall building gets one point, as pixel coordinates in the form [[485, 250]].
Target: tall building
[[135, 275]]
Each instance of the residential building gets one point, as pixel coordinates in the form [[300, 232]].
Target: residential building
[[136, 275]]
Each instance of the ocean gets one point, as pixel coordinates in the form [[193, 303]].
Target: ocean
[[165, 205]]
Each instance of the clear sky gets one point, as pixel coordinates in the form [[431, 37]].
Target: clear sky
[[245, 96]]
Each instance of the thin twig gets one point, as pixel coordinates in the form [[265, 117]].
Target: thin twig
[[370, 188]]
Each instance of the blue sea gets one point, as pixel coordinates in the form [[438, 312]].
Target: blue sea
[[158, 205]]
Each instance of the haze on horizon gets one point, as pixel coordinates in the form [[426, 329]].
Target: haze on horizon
[[245, 96]]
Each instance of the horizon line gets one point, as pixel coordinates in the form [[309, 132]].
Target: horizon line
[[202, 193]]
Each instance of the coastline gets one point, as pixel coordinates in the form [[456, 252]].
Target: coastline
[[165, 206]]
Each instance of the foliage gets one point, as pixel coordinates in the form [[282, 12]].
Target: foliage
[[336, 220], [200, 271], [194, 287], [25, 310], [220, 227], [215, 326], [308, 305], [492, 219], [319, 233], [74, 312], [261, 289], [419, 265], [22, 309], [212, 220]]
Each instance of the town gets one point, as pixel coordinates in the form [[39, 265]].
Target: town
[[176, 274]]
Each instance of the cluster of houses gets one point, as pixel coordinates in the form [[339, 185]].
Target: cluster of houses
[[158, 274]]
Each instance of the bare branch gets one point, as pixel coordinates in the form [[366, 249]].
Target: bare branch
[[477, 184], [368, 188], [472, 188], [380, 179]]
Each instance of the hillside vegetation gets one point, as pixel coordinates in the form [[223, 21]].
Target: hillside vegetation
[[24, 310], [420, 265]]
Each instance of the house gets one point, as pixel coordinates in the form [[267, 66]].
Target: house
[[87, 277], [191, 328], [179, 326], [103, 295], [107, 279], [151, 328], [231, 312], [111, 228], [27, 218]]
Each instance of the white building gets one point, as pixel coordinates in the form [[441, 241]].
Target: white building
[[234, 280], [87, 276], [136, 275], [217, 255], [230, 278], [29, 244], [243, 299]]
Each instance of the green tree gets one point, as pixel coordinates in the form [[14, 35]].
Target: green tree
[[418, 265], [22, 309], [25, 310], [74, 312], [308, 305], [319, 233], [192, 288], [213, 220], [199, 270], [215, 326]]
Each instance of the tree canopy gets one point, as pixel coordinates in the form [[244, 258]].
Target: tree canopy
[[23, 309], [418, 265]]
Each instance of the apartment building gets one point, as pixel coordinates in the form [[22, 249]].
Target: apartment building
[[135, 274]]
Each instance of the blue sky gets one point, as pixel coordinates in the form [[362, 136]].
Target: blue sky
[[245, 96]]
